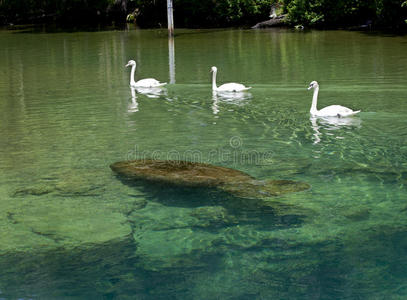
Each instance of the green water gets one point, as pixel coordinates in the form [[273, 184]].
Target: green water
[[71, 229]]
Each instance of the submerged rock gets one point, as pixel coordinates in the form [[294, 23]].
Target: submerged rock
[[213, 216], [106, 264], [192, 174], [69, 208], [66, 184], [34, 190]]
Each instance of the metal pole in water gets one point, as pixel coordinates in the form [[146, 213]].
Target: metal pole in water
[[170, 17], [171, 56], [171, 52]]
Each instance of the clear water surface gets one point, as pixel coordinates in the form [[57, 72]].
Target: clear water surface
[[71, 229]]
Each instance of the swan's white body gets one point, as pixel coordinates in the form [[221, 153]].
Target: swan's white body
[[227, 87], [329, 111], [143, 83]]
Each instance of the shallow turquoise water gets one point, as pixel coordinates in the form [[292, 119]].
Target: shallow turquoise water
[[70, 229]]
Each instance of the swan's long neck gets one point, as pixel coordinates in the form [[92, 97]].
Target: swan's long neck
[[214, 87], [314, 109], [133, 70]]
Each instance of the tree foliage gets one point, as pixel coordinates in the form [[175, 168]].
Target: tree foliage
[[404, 5], [209, 13], [336, 13], [68, 11], [203, 13], [317, 13]]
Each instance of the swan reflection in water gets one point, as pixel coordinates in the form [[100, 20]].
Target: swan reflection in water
[[149, 92], [152, 92], [236, 98], [133, 106], [332, 123]]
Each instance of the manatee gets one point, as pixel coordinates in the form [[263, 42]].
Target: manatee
[[193, 174]]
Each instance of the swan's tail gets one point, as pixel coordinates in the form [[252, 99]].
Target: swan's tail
[[349, 114]]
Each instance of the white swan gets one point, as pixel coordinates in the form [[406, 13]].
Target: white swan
[[143, 83], [329, 111], [227, 87]]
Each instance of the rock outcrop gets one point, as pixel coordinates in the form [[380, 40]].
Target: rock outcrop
[[274, 22]]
